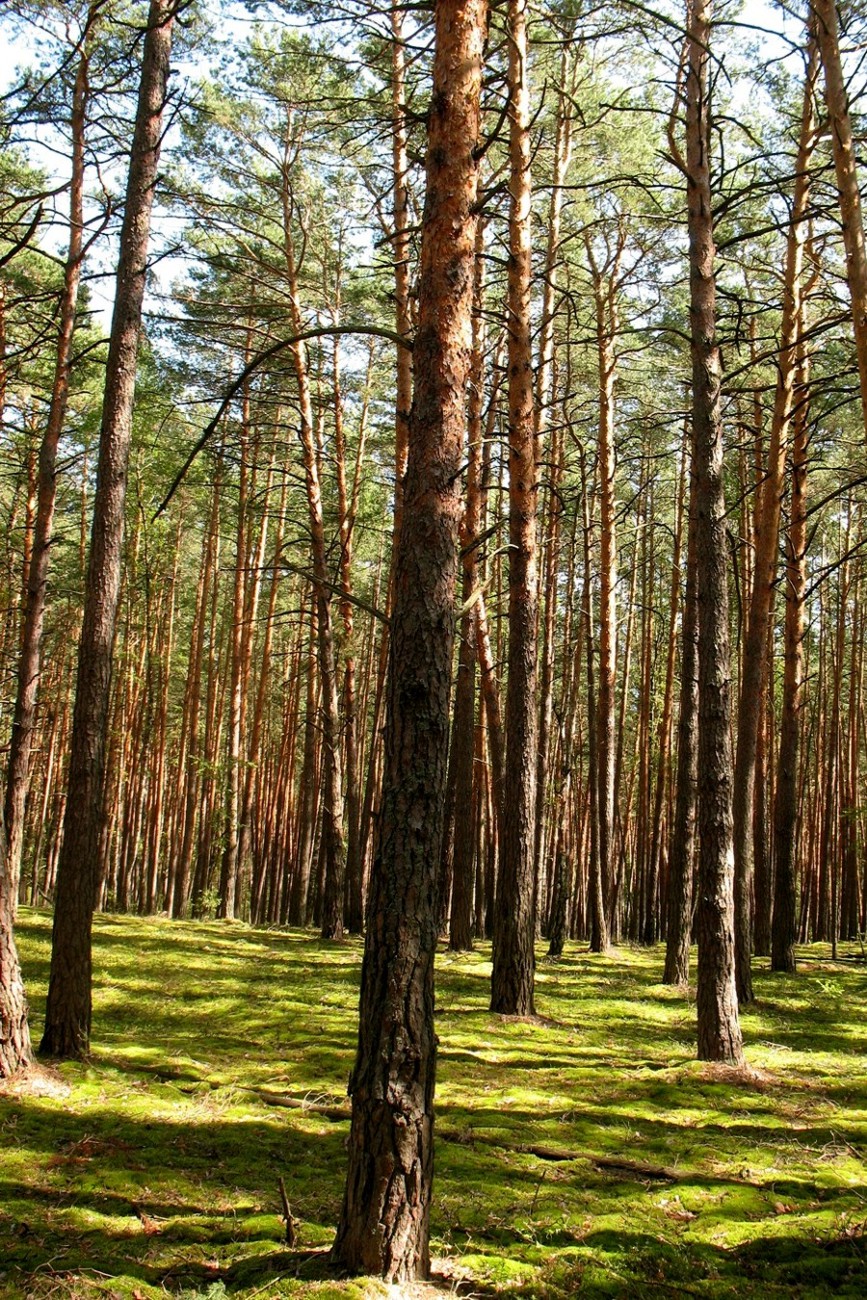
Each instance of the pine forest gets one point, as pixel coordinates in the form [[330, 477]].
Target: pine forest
[[433, 483]]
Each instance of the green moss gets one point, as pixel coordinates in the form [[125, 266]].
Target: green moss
[[585, 1154]]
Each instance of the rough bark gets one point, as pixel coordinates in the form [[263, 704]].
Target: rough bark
[[68, 1012], [513, 972], [384, 1220], [719, 1034]]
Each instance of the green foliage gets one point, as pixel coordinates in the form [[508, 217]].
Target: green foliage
[[582, 1154]]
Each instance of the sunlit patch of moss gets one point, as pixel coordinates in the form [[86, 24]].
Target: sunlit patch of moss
[[583, 1153]]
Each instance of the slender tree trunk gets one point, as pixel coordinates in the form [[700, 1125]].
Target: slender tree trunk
[[177, 904], [384, 1222], [845, 165], [462, 756], [755, 645], [682, 845], [332, 826], [514, 961], [298, 902], [15, 1049], [719, 1034], [604, 294], [596, 892], [30, 661], [68, 1011], [545, 386], [663, 760]]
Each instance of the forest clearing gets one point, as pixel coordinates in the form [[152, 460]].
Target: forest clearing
[[582, 1154]]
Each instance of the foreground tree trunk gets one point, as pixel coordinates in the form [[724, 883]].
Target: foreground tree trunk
[[514, 924], [719, 1034], [68, 1011], [384, 1221]]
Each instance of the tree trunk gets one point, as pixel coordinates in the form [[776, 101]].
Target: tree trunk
[[845, 166], [605, 299], [682, 845], [384, 1221], [514, 924], [464, 731], [68, 1011], [332, 812], [15, 1049], [719, 1034], [755, 645], [30, 660]]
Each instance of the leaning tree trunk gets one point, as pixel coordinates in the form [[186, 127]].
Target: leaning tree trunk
[[514, 963], [384, 1221], [719, 1033], [68, 1011]]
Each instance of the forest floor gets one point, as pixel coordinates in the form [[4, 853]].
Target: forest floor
[[584, 1153]]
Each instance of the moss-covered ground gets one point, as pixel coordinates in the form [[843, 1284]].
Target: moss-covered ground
[[582, 1154]]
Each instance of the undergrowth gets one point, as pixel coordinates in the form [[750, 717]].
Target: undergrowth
[[583, 1154]]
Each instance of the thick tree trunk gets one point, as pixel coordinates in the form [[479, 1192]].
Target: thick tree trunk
[[384, 1222], [719, 1034], [514, 962], [68, 1011]]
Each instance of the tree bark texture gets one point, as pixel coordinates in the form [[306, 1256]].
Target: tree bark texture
[[68, 1011], [513, 973], [384, 1221], [719, 1034]]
